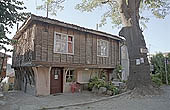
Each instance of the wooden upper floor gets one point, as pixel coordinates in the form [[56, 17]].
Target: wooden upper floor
[[49, 42]]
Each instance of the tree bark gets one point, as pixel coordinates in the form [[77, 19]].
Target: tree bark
[[139, 75]]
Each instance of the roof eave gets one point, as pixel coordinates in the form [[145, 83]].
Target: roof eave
[[63, 24], [22, 28]]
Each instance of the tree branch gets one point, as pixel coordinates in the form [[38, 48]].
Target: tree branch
[[137, 9]]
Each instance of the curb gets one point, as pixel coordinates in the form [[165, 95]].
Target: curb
[[85, 103], [1, 95]]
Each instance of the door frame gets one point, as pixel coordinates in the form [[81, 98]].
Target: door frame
[[52, 70]]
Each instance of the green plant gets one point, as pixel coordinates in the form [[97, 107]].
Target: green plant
[[156, 78], [115, 91], [100, 83], [103, 75], [158, 61], [112, 88], [96, 82], [118, 71], [92, 82]]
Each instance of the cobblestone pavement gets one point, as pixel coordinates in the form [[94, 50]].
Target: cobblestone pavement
[[161, 102]]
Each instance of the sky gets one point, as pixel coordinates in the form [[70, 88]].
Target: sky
[[157, 33]]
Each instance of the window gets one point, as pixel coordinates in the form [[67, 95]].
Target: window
[[102, 48], [69, 75], [63, 43], [70, 44]]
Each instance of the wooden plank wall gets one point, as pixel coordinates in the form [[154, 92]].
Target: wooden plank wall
[[85, 47], [24, 48]]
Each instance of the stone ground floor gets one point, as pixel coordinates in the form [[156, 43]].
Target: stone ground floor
[[20, 101], [40, 81]]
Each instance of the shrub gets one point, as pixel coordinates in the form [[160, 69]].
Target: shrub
[[92, 82], [96, 82], [103, 75], [112, 88], [156, 78], [102, 83], [118, 71]]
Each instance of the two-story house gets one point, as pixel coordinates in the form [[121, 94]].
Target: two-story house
[[50, 54]]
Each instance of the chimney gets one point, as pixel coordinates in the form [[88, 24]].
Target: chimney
[[97, 27], [17, 26]]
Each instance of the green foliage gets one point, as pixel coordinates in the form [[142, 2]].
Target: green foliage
[[100, 83], [118, 71], [103, 75], [158, 8], [92, 82], [156, 78], [10, 14], [112, 88], [53, 6], [111, 13], [96, 82], [158, 61]]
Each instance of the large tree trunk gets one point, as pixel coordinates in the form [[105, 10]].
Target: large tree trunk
[[139, 75]]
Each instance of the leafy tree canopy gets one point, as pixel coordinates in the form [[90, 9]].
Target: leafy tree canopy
[[10, 14], [51, 6], [158, 8]]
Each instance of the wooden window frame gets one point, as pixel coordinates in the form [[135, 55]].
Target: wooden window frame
[[54, 50], [69, 75], [107, 44], [72, 42]]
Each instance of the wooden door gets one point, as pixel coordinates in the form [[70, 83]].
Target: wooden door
[[56, 80]]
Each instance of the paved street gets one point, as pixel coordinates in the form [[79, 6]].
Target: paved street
[[18, 100], [21, 101], [161, 102]]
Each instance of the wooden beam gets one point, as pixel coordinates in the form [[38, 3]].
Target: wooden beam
[[55, 64]]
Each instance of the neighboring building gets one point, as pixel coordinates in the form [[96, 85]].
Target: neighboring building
[[166, 54], [50, 54], [3, 61], [10, 73]]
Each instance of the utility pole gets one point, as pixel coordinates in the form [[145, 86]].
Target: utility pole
[[36, 5], [47, 8], [166, 70], [97, 27]]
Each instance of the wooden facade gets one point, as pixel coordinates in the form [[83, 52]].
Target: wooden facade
[[35, 49], [36, 44]]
